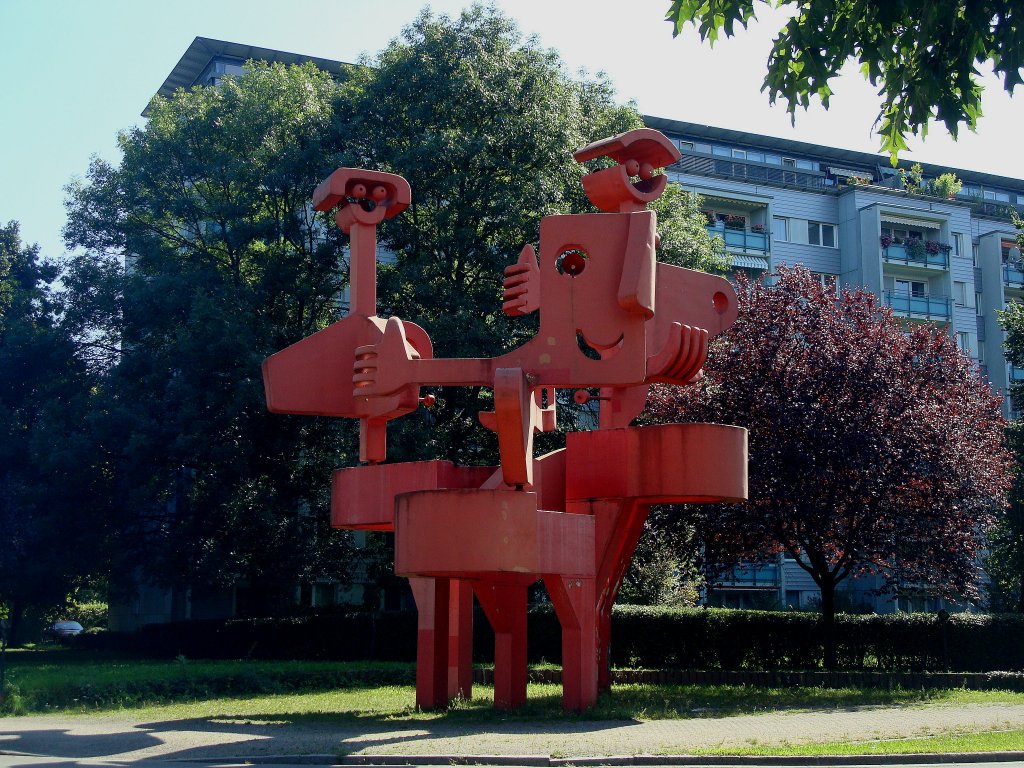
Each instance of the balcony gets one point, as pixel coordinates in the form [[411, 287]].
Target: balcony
[[750, 576], [921, 307], [994, 210], [750, 171], [742, 239], [899, 254], [1013, 276]]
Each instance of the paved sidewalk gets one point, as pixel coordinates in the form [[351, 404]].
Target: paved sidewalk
[[125, 738]]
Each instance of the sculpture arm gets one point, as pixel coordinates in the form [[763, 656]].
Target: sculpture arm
[[386, 367]]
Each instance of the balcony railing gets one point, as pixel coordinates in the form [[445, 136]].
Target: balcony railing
[[899, 253], [995, 210], [1013, 275], [742, 239], [750, 576], [759, 173], [927, 307]]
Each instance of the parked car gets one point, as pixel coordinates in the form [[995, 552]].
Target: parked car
[[61, 630]]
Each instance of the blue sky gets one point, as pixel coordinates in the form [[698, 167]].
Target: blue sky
[[75, 73]]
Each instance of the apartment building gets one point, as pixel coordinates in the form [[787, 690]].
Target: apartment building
[[847, 217]]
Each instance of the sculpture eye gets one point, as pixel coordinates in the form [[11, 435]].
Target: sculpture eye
[[632, 167], [571, 261]]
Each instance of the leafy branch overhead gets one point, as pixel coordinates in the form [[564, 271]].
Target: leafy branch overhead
[[924, 56]]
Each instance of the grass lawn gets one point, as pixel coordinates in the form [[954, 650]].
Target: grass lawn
[[992, 741], [61, 680]]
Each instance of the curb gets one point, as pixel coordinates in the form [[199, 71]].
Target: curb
[[544, 761]]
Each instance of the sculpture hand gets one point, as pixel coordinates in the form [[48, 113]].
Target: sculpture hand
[[521, 294], [385, 367]]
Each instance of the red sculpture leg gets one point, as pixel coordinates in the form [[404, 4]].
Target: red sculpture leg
[[622, 520], [460, 640], [432, 601], [505, 607], [574, 603]]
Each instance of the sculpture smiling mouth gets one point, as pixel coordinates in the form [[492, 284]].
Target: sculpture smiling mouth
[[595, 350]]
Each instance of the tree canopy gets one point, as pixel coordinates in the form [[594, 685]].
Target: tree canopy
[[48, 480], [875, 449], [924, 56], [226, 263]]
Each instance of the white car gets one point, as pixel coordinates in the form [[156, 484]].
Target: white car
[[62, 629]]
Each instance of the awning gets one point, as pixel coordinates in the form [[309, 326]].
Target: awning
[[749, 262], [742, 205], [906, 221], [847, 172]]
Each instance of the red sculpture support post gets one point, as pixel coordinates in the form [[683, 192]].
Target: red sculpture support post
[[611, 318]]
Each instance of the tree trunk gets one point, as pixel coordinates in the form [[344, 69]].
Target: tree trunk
[[828, 622], [17, 611]]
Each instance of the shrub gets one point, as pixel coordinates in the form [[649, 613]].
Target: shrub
[[651, 637]]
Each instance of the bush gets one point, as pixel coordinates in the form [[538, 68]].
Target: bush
[[642, 636]]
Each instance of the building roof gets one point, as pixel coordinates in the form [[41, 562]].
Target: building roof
[[818, 151], [204, 49]]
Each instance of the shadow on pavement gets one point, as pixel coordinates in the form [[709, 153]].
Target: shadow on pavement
[[280, 734]]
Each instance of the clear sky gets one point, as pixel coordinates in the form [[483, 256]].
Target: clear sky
[[74, 73]]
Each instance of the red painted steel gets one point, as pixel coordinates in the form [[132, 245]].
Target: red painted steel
[[612, 319]]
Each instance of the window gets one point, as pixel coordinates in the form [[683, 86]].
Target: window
[[915, 288], [829, 282], [821, 234], [977, 303], [963, 341], [787, 176], [974, 254], [686, 146], [901, 235], [960, 293], [739, 153], [958, 244], [780, 229], [722, 151]]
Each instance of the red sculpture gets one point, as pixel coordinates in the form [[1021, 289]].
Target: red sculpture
[[613, 318]]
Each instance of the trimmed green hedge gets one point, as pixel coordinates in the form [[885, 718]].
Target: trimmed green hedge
[[648, 637]]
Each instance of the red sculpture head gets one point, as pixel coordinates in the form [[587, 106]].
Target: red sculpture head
[[639, 153], [364, 197]]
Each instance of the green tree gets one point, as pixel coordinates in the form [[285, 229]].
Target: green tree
[[48, 485], [483, 125], [924, 56], [228, 264], [225, 263]]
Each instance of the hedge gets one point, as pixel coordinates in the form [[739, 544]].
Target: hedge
[[642, 636]]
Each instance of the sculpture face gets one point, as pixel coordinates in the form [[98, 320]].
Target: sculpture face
[[585, 272], [365, 197]]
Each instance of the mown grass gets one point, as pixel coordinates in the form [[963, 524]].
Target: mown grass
[[70, 681], [989, 741]]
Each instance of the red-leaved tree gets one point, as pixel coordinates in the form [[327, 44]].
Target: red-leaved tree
[[874, 446]]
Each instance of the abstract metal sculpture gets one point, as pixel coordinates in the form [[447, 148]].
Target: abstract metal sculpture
[[611, 317]]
